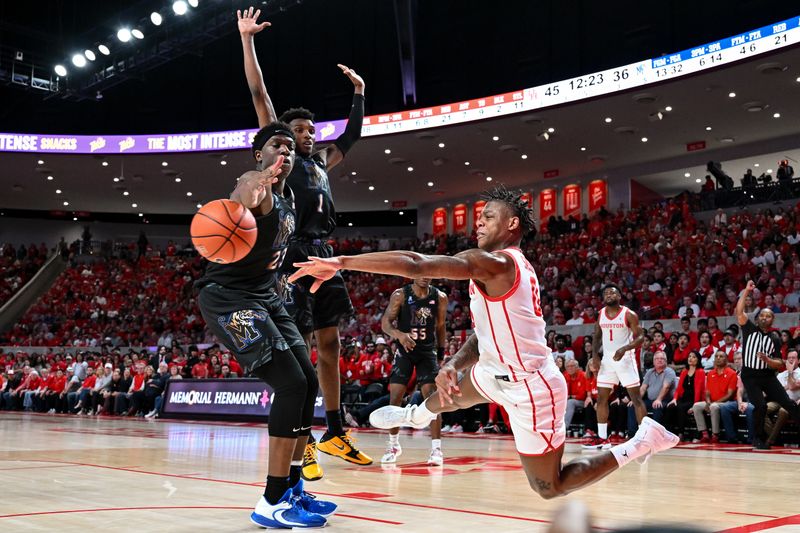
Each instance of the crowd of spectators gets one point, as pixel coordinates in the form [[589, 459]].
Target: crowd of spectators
[[17, 267]]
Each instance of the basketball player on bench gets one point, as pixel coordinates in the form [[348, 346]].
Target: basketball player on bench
[[506, 360]]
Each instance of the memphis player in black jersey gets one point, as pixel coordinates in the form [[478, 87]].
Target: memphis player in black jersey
[[241, 306], [420, 311], [315, 314]]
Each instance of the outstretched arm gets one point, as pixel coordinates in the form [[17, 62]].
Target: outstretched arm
[[741, 317], [254, 188], [334, 154], [248, 27], [473, 264]]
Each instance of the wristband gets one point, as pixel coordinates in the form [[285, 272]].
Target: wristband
[[440, 353]]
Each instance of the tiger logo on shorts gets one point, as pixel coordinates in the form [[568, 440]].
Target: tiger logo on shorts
[[285, 289], [240, 327]]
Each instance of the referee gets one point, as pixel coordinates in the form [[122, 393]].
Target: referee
[[761, 358]]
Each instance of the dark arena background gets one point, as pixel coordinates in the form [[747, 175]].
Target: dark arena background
[[145, 388]]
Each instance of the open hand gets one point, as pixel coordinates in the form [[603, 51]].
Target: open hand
[[248, 22], [407, 342], [358, 81], [321, 268], [619, 354], [447, 384], [255, 184]]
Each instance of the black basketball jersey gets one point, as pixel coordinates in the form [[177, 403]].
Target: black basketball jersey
[[418, 317], [256, 272], [316, 215]]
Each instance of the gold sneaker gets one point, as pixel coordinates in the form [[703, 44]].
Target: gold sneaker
[[311, 470], [343, 446]]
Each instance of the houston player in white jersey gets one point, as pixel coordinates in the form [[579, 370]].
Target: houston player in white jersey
[[506, 360], [617, 329]]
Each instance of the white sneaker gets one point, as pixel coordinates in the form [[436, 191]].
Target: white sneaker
[[151, 414], [391, 417], [392, 453], [456, 429], [656, 437], [436, 458], [446, 429], [286, 513], [350, 420], [51, 411]]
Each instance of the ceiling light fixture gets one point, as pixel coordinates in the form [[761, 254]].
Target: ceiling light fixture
[[199, 206], [731, 95], [104, 163], [441, 145], [386, 201], [697, 180], [89, 55], [430, 184], [177, 180], [156, 18], [116, 180], [756, 165], [372, 187], [495, 138], [644, 139], [125, 193], [488, 178], [141, 214], [668, 108], [551, 130], [164, 164], [583, 148], [58, 191], [466, 163], [608, 120], [350, 224], [124, 35], [78, 60], [50, 178], [194, 3], [40, 162], [411, 169], [137, 33], [776, 115], [353, 173], [708, 128], [134, 205], [103, 49], [60, 70], [401, 213], [189, 193], [687, 175], [66, 203], [180, 7], [524, 156], [387, 151], [223, 162]]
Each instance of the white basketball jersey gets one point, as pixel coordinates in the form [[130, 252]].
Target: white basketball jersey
[[510, 328], [616, 332]]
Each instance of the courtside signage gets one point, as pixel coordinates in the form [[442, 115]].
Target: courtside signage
[[723, 52]]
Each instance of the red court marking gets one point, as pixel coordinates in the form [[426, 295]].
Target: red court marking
[[767, 524], [37, 467], [366, 495], [102, 510], [391, 522], [408, 504], [752, 514]]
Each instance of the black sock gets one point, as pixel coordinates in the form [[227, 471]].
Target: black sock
[[275, 489], [294, 475], [334, 419]]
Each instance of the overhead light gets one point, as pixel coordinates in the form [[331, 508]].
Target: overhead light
[[430, 184], [544, 136], [177, 180], [354, 173], [386, 201], [644, 139], [608, 120], [74, 219], [116, 180], [524, 156], [89, 55], [156, 18], [141, 214], [164, 164], [756, 165], [411, 169], [58, 191], [687, 175], [441, 145], [401, 213], [798, 79], [776, 115], [551, 130], [40, 162], [668, 108], [731, 95], [199, 206], [488, 178], [769, 171], [137, 33], [180, 7], [223, 162], [66, 203], [194, 3], [697, 180], [387, 151], [189, 193], [134, 205], [350, 224], [104, 163], [372, 187], [104, 50], [78, 60], [583, 148], [466, 163], [708, 128], [50, 178], [495, 138], [124, 35], [125, 193]]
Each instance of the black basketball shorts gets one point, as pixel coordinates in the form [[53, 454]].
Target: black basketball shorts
[[323, 309], [254, 327], [404, 364]]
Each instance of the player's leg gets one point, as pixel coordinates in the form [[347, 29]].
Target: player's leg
[[640, 409], [436, 457], [397, 389]]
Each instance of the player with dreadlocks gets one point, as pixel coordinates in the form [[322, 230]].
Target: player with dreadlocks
[[506, 360]]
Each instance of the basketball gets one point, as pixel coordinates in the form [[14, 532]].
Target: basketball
[[223, 231]]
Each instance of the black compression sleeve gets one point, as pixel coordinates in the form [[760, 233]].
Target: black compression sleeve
[[352, 132]]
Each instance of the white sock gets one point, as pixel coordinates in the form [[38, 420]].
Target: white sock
[[394, 440], [628, 451], [436, 443], [422, 415], [602, 430], [296, 463]]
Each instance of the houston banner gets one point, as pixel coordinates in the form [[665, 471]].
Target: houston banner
[[598, 195], [572, 200], [547, 205], [439, 221], [460, 218], [477, 209]]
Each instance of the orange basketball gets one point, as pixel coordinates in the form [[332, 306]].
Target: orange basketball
[[223, 231]]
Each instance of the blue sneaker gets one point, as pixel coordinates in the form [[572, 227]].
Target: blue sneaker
[[310, 503], [287, 513]]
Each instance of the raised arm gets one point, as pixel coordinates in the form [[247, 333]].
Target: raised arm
[[488, 268], [390, 315], [741, 318], [248, 27], [334, 154]]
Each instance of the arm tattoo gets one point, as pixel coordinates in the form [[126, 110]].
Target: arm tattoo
[[542, 485], [467, 355]]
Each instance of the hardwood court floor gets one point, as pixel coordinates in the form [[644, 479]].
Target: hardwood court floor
[[71, 473]]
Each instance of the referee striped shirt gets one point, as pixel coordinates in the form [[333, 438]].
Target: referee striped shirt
[[754, 341]]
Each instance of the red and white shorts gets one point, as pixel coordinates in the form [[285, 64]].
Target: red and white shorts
[[623, 372], [535, 406]]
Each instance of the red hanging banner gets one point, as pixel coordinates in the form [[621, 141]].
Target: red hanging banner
[[598, 195], [460, 218], [439, 221], [547, 204], [477, 209], [527, 197], [572, 200]]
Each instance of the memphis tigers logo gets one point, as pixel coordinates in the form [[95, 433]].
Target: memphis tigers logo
[[285, 289], [240, 327], [422, 315]]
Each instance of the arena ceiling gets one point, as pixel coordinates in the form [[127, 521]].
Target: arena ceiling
[[697, 103]]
